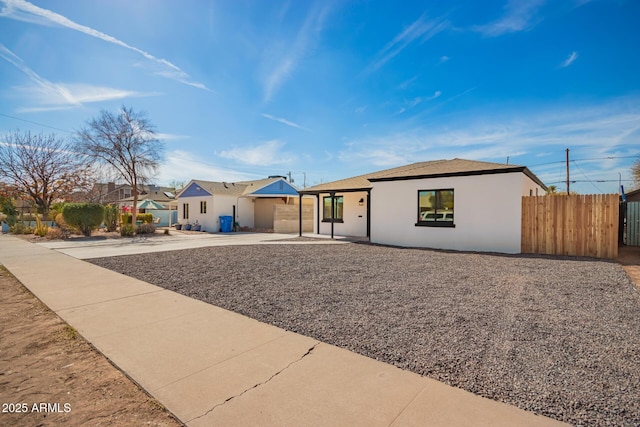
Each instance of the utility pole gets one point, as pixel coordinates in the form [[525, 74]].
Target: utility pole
[[568, 172]]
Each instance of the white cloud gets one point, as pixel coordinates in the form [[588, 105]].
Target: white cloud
[[590, 132], [283, 121], [25, 11], [265, 154], [519, 15], [570, 59], [421, 29], [283, 58], [59, 96], [415, 101], [183, 166]]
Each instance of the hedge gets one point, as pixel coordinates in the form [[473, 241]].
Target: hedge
[[86, 217]]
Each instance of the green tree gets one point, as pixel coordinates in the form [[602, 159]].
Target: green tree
[[124, 142]]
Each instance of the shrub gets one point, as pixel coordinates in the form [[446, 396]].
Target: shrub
[[84, 216], [65, 231], [125, 218], [146, 218], [55, 233], [146, 229], [20, 228], [127, 230], [41, 229], [55, 209], [111, 217]]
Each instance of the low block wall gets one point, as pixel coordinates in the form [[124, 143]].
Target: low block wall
[[286, 219]]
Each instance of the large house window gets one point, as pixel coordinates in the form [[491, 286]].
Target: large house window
[[338, 203], [203, 206], [435, 208], [185, 210]]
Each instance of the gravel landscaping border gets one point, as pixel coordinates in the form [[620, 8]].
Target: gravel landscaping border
[[557, 336]]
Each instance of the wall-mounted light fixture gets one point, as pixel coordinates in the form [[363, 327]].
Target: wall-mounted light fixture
[[361, 201]]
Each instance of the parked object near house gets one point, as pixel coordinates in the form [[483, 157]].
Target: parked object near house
[[445, 204], [251, 204]]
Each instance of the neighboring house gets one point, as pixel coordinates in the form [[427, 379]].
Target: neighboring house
[[162, 196], [249, 203], [633, 196], [446, 204]]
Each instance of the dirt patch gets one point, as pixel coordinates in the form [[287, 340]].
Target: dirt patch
[[52, 376], [629, 257]]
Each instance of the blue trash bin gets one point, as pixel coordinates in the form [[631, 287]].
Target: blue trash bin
[[226, 223]]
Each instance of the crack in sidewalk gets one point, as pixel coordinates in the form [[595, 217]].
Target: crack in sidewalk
[[259, 384]]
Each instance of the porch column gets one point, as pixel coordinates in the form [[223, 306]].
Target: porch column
[[300, 217], [318, 213], [369, 214], [333, 212]]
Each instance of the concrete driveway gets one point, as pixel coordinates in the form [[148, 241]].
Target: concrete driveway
[[100, 247]]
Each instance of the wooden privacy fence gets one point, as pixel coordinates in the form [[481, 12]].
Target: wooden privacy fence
[[579, 225]]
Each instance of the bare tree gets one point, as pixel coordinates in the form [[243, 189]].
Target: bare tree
[[42, 167], [124, 142], [635, 171]]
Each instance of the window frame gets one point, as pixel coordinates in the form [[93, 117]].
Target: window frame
[[335, 207], [185, 211], [436, 222], [203, 206]]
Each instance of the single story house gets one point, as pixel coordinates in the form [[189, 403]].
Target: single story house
[[249, 203], [445, 204]]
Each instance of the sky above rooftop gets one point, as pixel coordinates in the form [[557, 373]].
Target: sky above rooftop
[[326, 89]]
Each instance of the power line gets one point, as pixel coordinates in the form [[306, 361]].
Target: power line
[[35, 123], [582, 172], [573, 181]]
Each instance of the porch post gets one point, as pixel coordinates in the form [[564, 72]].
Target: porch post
[[300, 217], [318, 213], [369, 214], [333, 212]]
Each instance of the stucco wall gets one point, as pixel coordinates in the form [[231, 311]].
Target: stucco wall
[[354, 216], [263, 211], [487, 213], [216, 206]]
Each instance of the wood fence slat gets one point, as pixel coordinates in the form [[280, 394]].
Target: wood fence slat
[[578, 225]]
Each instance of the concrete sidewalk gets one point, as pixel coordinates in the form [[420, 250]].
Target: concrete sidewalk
[[95, 247], [210, 366]]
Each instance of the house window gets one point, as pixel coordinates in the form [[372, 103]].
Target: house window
[[435, 208], [203, 206], [337, 209], [185, 210]]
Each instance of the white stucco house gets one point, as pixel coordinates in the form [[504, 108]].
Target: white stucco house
[[248, 203], [445, 204]]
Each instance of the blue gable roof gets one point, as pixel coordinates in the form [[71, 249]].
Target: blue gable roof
[[280, 187], [195, 190]]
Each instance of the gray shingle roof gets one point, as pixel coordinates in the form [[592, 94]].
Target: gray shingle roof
[[427, 169], [240, 188]]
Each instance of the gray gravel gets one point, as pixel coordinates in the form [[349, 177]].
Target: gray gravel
[[560, 337]]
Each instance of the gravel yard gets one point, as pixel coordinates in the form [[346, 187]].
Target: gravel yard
[[560, 337]]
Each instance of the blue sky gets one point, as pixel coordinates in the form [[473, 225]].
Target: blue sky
[[331, 89]]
